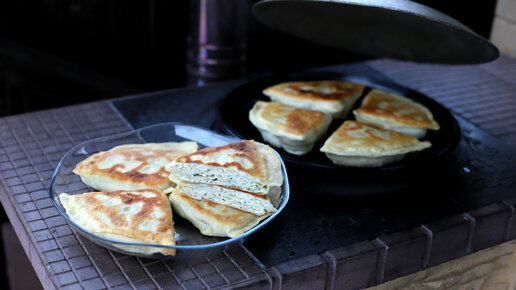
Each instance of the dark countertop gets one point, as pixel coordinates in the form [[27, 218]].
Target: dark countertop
[[359, 242]]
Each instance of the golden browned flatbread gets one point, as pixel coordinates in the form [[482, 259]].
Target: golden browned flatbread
[[294, 129], [140, 216], [211, 218], [133, 166], [329, 96], [364, 145], [395, 112], [247, 166]]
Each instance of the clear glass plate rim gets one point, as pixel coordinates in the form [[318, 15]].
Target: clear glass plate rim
[[242, 237]]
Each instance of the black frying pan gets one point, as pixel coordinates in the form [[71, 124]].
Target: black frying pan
[[314, 171]]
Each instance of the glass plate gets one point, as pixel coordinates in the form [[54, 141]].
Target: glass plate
[[190, 242]]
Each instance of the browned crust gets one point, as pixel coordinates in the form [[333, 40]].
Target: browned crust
[[165, 231], [90, 166], [298, 121], [341, 135], [243, 149], [339, 90], [405, 111]]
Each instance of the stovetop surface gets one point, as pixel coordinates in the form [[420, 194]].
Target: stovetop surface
[[479, 173]]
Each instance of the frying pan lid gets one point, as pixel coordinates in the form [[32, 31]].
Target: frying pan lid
[[399, 29]]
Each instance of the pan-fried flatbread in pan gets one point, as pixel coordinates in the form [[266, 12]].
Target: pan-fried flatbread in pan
[[363, 145], [394, 112], [329, 96], [293, 129]]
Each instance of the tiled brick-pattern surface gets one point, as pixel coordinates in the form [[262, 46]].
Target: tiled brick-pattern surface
[[353, 267], [309, 272], [449, 240], [31, 146], [406, 253], [486, 235], [389, 257]]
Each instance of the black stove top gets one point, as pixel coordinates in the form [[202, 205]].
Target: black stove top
[[482, 172]]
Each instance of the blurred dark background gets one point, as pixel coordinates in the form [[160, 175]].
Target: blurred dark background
[[57, 53]]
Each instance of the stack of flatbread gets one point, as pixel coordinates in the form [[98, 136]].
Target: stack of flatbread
[[226, 190], [129, 204]]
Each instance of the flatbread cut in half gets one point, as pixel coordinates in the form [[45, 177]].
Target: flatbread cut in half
[[363, 145], [246, 165], [293, 129], [132, 166], [329, 96], [213, 219], [252, 203], [395, 112], [138, 216]]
